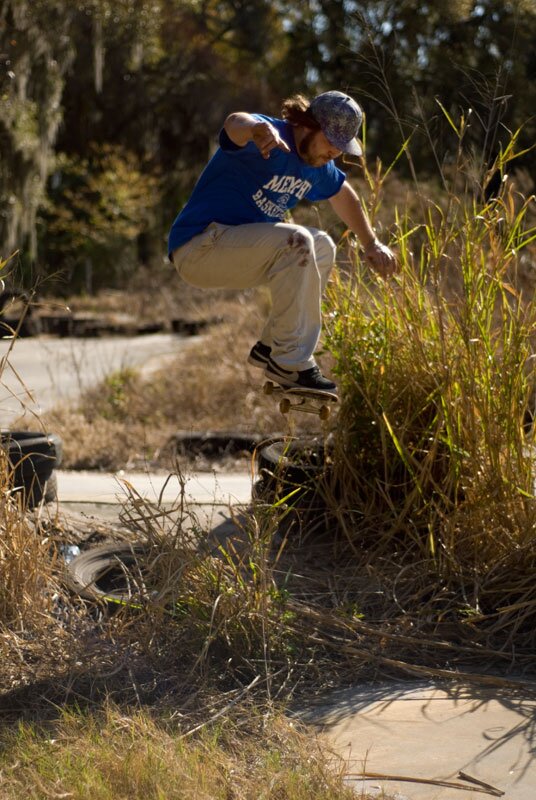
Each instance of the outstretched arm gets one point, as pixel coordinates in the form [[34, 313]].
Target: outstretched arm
[[242, 128], [348, 207]]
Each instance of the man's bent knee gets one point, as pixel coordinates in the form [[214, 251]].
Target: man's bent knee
[[325, 248]]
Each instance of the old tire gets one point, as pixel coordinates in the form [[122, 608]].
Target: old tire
[[109, 573], [294, 472], [50, 495], [298, 461], [32, 458]]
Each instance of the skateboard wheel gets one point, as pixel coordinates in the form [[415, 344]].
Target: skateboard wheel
[[284, 405], [324, 412], [268, 388]]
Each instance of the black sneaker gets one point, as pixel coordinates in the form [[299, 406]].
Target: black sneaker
[[259, 355], [306, 379]]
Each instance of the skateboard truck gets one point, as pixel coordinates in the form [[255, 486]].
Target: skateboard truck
[[309, 401]]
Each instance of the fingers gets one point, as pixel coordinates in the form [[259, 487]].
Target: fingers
[[387, 264], [387, 269], [270, 144], [382, 259], [267, 139]]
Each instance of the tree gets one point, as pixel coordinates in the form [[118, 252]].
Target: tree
[[398, 56], [96, 208], [35, 52], [168, 72]]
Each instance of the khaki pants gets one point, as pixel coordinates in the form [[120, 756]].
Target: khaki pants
[[294, 262]]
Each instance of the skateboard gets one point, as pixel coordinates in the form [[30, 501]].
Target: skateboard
[[293, 399]]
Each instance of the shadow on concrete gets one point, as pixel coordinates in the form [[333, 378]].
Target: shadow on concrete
[[436, 731]]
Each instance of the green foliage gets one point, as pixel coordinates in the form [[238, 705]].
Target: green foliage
[[155, 78], [97, 206], [113, 396]]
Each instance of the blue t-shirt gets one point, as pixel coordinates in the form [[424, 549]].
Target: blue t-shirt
[[239, 186]]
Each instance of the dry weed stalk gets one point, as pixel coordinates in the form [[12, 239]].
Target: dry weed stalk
[[27, 567]]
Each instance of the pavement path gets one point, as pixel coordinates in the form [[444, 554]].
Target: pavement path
[[214, 502], [112, 489], [424, 731], [39, 372]]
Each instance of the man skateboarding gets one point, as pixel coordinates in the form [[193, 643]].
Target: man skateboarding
[[231, 233]]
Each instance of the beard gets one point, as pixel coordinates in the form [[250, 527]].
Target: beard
[[304, 151]]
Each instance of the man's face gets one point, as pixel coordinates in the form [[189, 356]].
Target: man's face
[[315, 149]]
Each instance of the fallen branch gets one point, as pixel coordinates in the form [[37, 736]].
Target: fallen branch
[[415, 669], [482, 788]]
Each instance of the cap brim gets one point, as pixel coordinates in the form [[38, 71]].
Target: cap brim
[[353, 148]]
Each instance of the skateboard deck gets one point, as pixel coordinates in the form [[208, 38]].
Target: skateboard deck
[[307, 400]]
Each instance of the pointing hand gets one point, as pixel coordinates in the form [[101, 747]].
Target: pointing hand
[[267, 138]]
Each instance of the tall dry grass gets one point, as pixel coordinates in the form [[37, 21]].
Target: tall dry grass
[[27, 584], [433, 471], [42, 634]]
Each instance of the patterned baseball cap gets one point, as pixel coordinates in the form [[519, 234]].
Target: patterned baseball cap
[[340, 118]]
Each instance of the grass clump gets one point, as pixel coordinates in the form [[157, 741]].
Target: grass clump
[[433, 478], [27, 573], [113, 754]]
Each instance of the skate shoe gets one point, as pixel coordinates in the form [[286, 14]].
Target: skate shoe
[[310, 380], [259, 355]]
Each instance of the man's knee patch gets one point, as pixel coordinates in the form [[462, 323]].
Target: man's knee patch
[[301, 241]]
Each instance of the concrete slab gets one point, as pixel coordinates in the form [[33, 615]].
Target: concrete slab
[[114, 488], [206, 517], [214, 504], [431, 732]]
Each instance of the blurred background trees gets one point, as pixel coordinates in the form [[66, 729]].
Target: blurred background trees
[[109, 109]]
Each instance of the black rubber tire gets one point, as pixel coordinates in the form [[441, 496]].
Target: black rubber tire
[[101, 573], [297, 461], [23, 443], [22, 321], [32, 459], [292, 470], [297, 472], [213, 444]]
